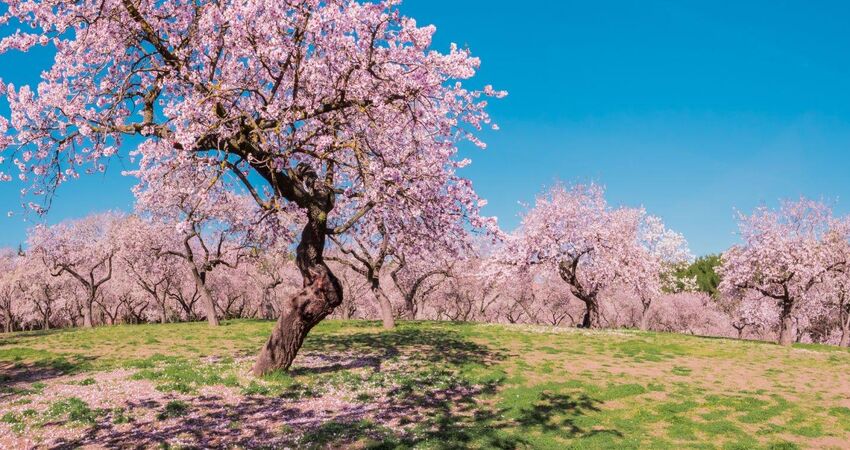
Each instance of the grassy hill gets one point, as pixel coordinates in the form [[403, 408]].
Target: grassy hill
[[425, 384]]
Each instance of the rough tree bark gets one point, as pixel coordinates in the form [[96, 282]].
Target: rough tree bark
[[592, 318], [322, 291]]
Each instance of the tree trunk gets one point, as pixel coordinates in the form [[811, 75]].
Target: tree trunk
[[786, 323], [346, 309], [845, 331], [644, 317], [386, 307], [266, 309], [591, 314], [410, 307], [209, 303], [322, 293], [87, 312], [740, 330]]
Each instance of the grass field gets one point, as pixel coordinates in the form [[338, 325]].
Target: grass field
[[425, 384]]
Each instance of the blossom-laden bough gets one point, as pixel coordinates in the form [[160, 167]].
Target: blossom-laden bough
[[334, 110]]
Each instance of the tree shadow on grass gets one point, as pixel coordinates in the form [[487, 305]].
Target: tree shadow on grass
[[426, 401], [433, 346], [20, 336], [556, 412], [15, 377]]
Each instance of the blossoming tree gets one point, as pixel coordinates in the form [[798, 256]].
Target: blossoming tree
[[592, 246], [10, 307], [83, 249], [331, 107], [784, 255]]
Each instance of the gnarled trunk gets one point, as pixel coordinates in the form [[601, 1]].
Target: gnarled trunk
[[592, 318], [322, 293], [786, 323]]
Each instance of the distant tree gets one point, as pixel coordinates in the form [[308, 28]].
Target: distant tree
[[785, 254], [82, 249], [10, 308], [593, 247]]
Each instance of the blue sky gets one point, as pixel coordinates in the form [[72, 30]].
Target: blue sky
[[691, 109]]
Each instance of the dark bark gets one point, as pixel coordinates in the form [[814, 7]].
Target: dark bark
[[845, 326], [322, 292], [740, 329], [592, 317], [411, 308]]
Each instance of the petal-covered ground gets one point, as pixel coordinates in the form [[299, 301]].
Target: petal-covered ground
[[431, 385]]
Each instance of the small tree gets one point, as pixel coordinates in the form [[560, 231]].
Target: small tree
[[154, 273], [10, 272], [592, 246], [83, 249]]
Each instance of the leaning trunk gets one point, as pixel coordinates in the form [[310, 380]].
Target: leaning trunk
[[322, 293], [786, 325], [591, 314], [209, 303]]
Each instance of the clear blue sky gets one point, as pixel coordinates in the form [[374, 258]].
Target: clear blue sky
[[690, 109]]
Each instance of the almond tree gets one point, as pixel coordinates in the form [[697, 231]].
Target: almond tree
[[140, 243], [82, 249], [42, 294], [418, 275], [575, 233], [214, 226], [368, 252], [834, 293], [275, 273], [333, 107], [10, 307], [783, 256]]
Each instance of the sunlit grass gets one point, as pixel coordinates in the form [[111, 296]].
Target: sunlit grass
[[485, 385]]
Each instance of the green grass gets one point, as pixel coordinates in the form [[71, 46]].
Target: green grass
[[482, 386], [174, 408]]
